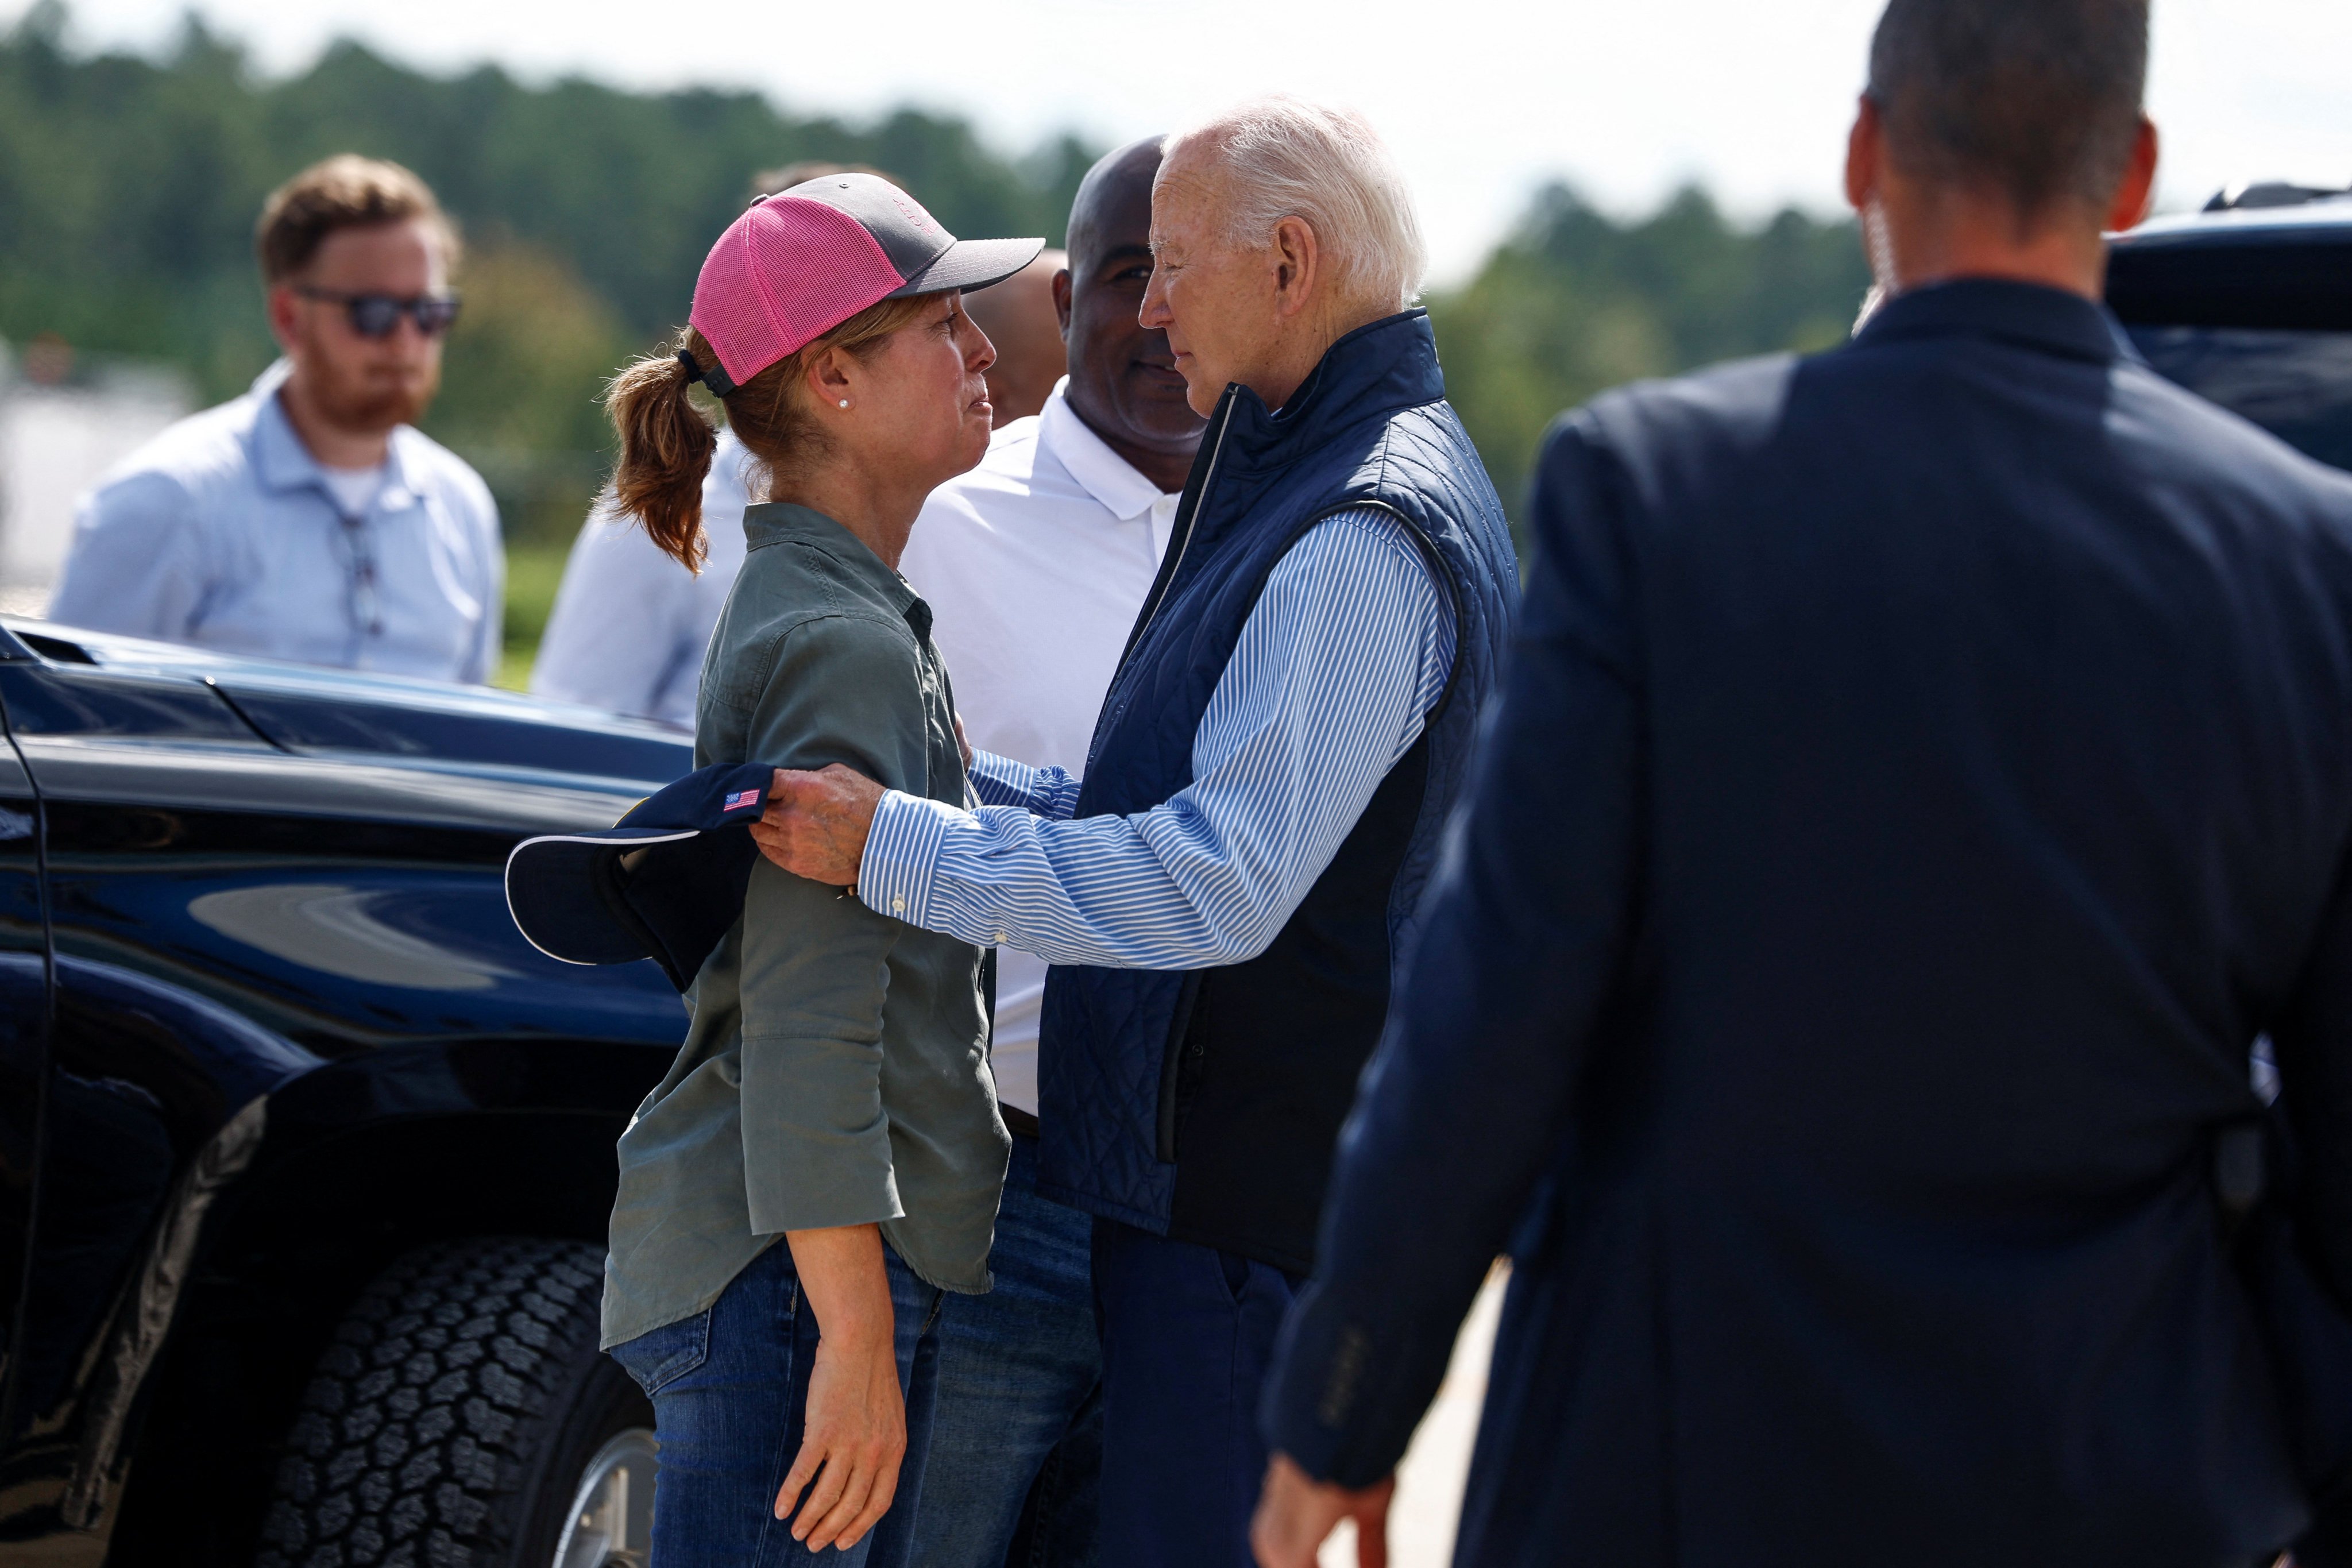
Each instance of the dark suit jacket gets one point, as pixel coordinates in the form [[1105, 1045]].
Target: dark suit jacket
[[1925, 771]]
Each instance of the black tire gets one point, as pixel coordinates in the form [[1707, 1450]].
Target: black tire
[[450, 1423]]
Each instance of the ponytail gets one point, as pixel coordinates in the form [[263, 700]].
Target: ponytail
[[667, 442], [665, 447]]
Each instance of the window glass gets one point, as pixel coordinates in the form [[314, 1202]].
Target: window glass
[[2297, 385]]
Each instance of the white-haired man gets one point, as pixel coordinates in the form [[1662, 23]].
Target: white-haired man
[[1223, 895]]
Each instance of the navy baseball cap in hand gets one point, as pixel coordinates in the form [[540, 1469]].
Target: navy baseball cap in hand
[[666, 882]]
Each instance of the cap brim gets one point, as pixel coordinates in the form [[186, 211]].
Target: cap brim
[[971, 263], [554, 892]]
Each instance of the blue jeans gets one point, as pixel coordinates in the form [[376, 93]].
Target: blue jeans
[[1019, 1415], [1188, 1332], [730, 1386]]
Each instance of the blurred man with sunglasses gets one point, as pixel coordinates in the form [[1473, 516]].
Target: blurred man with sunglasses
[[308, 520]]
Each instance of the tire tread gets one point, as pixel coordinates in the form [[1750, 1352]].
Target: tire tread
[[414, 1437]]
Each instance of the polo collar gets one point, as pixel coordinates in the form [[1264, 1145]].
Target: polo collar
[[1102, 473], [283, 463], [789, 522], [2032, 315]]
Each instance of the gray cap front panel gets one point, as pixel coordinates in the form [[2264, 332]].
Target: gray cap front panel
[[874, 201]]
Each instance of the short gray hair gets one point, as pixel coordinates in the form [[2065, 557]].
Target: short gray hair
[[2038, 99], [1289, 158]]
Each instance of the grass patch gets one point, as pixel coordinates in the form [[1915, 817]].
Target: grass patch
[[533, 573]]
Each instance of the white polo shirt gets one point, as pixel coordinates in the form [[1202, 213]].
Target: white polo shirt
[[1035, 565]]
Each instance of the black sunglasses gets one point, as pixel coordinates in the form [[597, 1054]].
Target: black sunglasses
[[378, 315]]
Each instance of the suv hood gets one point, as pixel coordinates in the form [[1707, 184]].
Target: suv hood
[[307, 710]]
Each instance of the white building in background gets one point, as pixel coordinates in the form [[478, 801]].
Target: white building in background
[[59, 433]]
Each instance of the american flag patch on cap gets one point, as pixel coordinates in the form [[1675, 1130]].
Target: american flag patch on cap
[[741, 799]]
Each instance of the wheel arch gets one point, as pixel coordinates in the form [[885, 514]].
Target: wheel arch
[[366, 1160]]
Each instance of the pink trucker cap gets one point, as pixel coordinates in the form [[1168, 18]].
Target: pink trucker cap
[[799, 263]]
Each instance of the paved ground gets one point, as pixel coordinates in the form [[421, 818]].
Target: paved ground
[[1429, 1482]]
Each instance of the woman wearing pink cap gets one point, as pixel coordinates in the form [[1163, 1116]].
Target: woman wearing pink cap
[[834, 1090]]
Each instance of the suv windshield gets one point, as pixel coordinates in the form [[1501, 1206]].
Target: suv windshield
[[2295, 384]]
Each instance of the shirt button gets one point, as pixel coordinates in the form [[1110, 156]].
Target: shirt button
[[898, 906]]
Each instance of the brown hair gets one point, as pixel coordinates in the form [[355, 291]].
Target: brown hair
[[343, 192], [666, 441]]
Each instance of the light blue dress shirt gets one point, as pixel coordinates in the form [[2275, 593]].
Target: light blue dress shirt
[[223, 532], [1337, 668]]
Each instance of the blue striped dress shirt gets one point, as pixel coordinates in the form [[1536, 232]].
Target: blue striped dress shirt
[[1337, 666]]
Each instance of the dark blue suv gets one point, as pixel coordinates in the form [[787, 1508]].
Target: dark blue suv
[[2250, 303], [305, 1155]]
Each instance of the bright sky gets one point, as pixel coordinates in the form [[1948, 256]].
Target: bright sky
[[1483, 99]]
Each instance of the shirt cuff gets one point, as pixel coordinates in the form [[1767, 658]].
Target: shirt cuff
[[902, 853], [816, 1141], [1001, 781]]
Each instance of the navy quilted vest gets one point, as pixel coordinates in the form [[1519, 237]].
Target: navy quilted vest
[[1204, 1106]]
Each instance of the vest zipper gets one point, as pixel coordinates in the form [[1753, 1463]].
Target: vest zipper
[[1168, 583], [1115, 698]]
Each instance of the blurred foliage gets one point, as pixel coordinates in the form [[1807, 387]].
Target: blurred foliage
[[521, 378], [129, 188], [534, 570], [1574, 302]]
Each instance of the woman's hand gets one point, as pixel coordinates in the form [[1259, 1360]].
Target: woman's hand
[[854, 1430]]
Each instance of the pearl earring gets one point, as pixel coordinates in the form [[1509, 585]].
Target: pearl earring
[[845, 403]]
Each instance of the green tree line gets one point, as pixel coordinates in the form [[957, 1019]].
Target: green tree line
[[1574, 302], [129, 187]]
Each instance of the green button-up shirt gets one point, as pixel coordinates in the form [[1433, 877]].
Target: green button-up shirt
[[836, 1071]]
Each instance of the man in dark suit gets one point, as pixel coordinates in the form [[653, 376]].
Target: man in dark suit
[[1925, 771]]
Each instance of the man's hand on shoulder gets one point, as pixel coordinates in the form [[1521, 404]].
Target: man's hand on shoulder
[[814, 825]]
